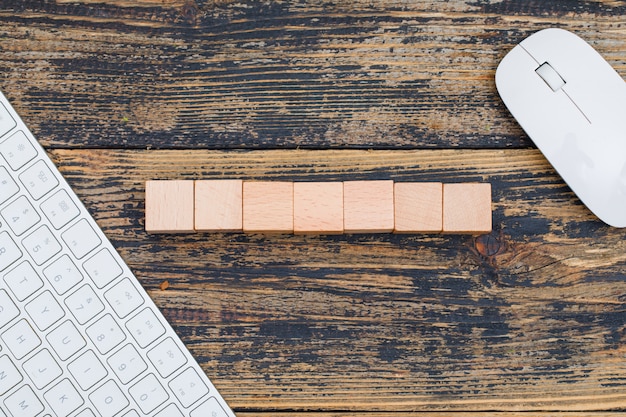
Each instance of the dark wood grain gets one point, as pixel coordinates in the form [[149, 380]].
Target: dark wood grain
[[529, 320], [530, 317], [226, 74]]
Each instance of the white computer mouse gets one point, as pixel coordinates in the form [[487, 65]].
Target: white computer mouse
[[572, 104]]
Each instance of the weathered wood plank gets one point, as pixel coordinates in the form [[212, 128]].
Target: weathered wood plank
[[528, 318], [347, 74]]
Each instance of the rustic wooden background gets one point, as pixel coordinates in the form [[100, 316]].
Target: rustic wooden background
[[528, 320]]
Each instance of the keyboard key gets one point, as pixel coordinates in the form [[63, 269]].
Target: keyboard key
[[188, 387], [20, 215], [8, 187], [23, 281], [41, 245], [105, 334], [170, 411], [6, 121], [63, 275], [210, 408], [124, 298], [45, 310], [38, 179], [63, 398], [86, 413], [84, 304], [109, 399], [17, 150], [127, 364], [66, 340], [81, 238], [145, 327], [102, 268], [8, 309], [11, 376], [9, 252], [23, 403], [21, 339], [60, 209], [167, 357], [87, 370], [131, 413], [42, 368], [148, 393]]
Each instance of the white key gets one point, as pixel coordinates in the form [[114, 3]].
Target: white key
[[127, 364], [66, 340], [170, 411], [20, 215], [87, 370], [8, 310], [210, 408], [8, 187], [84, 304], [167, 357], [86, 413], [145, 327], [23, 403], [102, 268], [23, 281], [148, 393], [188, 387], [109, 399], [131, 413], [63, 274], [45, 310], [42, 368], [81, 238], [41, 245], [124, 298], [105, 334], [9, 252], [60, 209], [17, 150], [10, 376], [38, 179], [6, 121], [21, 339], [63, 398]]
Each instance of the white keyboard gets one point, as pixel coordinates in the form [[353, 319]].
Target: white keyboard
[[79, 336]]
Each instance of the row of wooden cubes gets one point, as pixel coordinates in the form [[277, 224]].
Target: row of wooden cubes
[[180, 206]]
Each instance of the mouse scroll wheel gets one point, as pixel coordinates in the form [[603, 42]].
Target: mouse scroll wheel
[[550, 76]]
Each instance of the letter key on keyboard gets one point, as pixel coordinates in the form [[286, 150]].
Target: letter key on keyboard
[[79, 336]]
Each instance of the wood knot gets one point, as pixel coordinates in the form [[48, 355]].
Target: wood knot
[[190, 11], [487, 245]]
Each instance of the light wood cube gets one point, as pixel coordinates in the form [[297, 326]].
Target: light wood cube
[[368, 206], [219, 205], [467, 208], [268, 207], [318, 207], [169, 206], [418, 207]]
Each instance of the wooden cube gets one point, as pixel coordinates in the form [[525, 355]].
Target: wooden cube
[[267, 207], [368, 206], [169, 206], [318, 207], [467, 208], [418, 207], [219, 205]]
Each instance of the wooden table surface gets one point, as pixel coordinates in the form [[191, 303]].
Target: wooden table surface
[[528, 320]]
